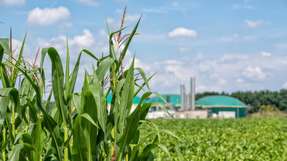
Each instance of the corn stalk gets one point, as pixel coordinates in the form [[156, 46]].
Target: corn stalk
[[75, 126]]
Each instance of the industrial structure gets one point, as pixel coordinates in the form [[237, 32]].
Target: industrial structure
[[184, 105], [188, 99], [222, 106]]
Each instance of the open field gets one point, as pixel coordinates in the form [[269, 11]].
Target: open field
[[259, 139]]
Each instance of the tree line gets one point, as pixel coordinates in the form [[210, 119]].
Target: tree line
[[256, 99]]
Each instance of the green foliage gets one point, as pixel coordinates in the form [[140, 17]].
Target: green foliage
[[268, 108], [77, 126], [256, 139]]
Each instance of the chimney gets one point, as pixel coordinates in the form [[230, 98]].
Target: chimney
[[182, 97], [192, 94]]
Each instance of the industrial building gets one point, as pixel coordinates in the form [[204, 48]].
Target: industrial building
[[185, 105], [222, 106]]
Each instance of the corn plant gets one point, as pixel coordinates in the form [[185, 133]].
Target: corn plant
[[68, 125]]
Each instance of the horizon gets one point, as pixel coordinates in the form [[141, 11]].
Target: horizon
[[228, 46]]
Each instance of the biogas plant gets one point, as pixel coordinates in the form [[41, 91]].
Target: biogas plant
[[185, 105]]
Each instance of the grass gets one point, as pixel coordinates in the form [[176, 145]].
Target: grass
[[256, 139]]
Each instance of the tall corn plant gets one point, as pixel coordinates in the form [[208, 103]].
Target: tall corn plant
[[74, 126]]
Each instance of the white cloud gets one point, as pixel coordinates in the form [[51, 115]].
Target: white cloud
[[253, 23], [86, 40], [16, 45], [266, 54], [240, 80], [140, 64], [12, 2], [182, 32], [282, 45], [284, 85], [254, 73], [48, 16], [229, 72], [89, 2], [184, 49]]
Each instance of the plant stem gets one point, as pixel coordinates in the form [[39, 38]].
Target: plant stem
[[66, 156], [13, 122], [3, 144]]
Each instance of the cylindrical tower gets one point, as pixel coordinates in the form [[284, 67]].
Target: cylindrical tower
[[182, 97], [192, 94]]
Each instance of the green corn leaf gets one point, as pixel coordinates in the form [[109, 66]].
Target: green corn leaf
[[4, 76], [58, 82], [89, 53], [4, 42], [82, 145], [140, 88], [104, 67], [7, 95], [15, 153], [124, 51], [90, 119], [143, 75], [3, 71], [37, 141], [126, 99], [18, 62], [1, 53], [67, 72], [70, 85], [49, 122]]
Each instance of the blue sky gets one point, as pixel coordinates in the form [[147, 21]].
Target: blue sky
[[228, 45]]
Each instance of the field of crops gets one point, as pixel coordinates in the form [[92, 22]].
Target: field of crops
[[259, 139]]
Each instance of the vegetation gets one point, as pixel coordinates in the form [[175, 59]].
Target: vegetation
[[38, 123], [256, 139], [70, 126], [257, 99]]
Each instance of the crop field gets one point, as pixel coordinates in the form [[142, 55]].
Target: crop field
[[259, 139], [44, 118]]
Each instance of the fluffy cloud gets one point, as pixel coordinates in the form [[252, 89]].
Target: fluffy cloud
[[254, 73], [48, 16], [182, 32], [84, 40], [12, 2], [284, 85], [266, 54], [184, 49], [253, 23], [229, 72]]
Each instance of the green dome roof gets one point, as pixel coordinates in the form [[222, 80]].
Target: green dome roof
[[219, 101]]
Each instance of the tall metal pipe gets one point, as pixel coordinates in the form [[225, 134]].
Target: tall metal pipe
[[192, 93], [182, 97]]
